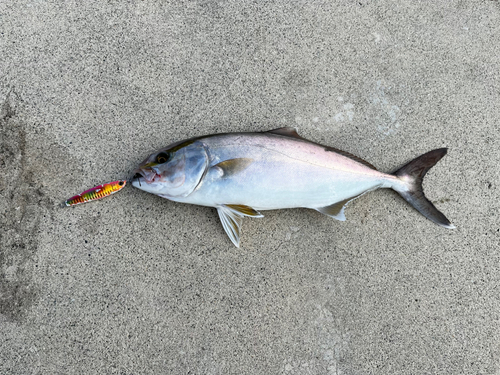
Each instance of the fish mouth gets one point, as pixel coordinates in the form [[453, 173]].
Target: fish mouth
[[136, 180], [148, 176]]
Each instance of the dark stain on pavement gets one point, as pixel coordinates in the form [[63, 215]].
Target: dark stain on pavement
[[24, 204]]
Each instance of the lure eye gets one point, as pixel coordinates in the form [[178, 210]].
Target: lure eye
[[120, 183], [162, 158]]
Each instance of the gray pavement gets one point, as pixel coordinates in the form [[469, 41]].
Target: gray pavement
[[135, 284]]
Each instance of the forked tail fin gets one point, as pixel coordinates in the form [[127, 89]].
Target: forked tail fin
[[411, 175]]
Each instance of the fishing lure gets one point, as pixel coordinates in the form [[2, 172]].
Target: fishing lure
[[97, 192]]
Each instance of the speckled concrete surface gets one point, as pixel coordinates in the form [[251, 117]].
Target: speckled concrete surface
[[136, 284]]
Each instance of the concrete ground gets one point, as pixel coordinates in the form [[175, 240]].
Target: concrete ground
[[135, 284]]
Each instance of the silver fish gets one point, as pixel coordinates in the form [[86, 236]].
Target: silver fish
[[241, 174]]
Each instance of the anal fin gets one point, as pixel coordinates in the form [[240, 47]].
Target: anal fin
[[336, 210], [231, 217]]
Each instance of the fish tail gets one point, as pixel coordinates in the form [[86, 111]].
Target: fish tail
[[410, 188]]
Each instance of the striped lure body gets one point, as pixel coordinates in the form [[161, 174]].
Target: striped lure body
[[97, 192]]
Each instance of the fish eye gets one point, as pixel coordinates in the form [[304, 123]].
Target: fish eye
[[162, 158]]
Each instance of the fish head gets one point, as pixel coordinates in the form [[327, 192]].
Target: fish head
[[174, 171]]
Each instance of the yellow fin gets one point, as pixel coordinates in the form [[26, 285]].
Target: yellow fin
[[244, 210], [232, 166]]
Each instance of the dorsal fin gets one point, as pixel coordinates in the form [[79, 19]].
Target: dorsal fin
[[287, 131], [291, 132], [350, 156]]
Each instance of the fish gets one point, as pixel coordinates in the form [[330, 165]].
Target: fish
[[97, 192], [242, 174]]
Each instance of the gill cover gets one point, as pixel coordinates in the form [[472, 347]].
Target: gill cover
[[179, 175]]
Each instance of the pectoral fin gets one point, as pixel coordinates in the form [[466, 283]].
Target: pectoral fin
[[233, 166], [231, 216]]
